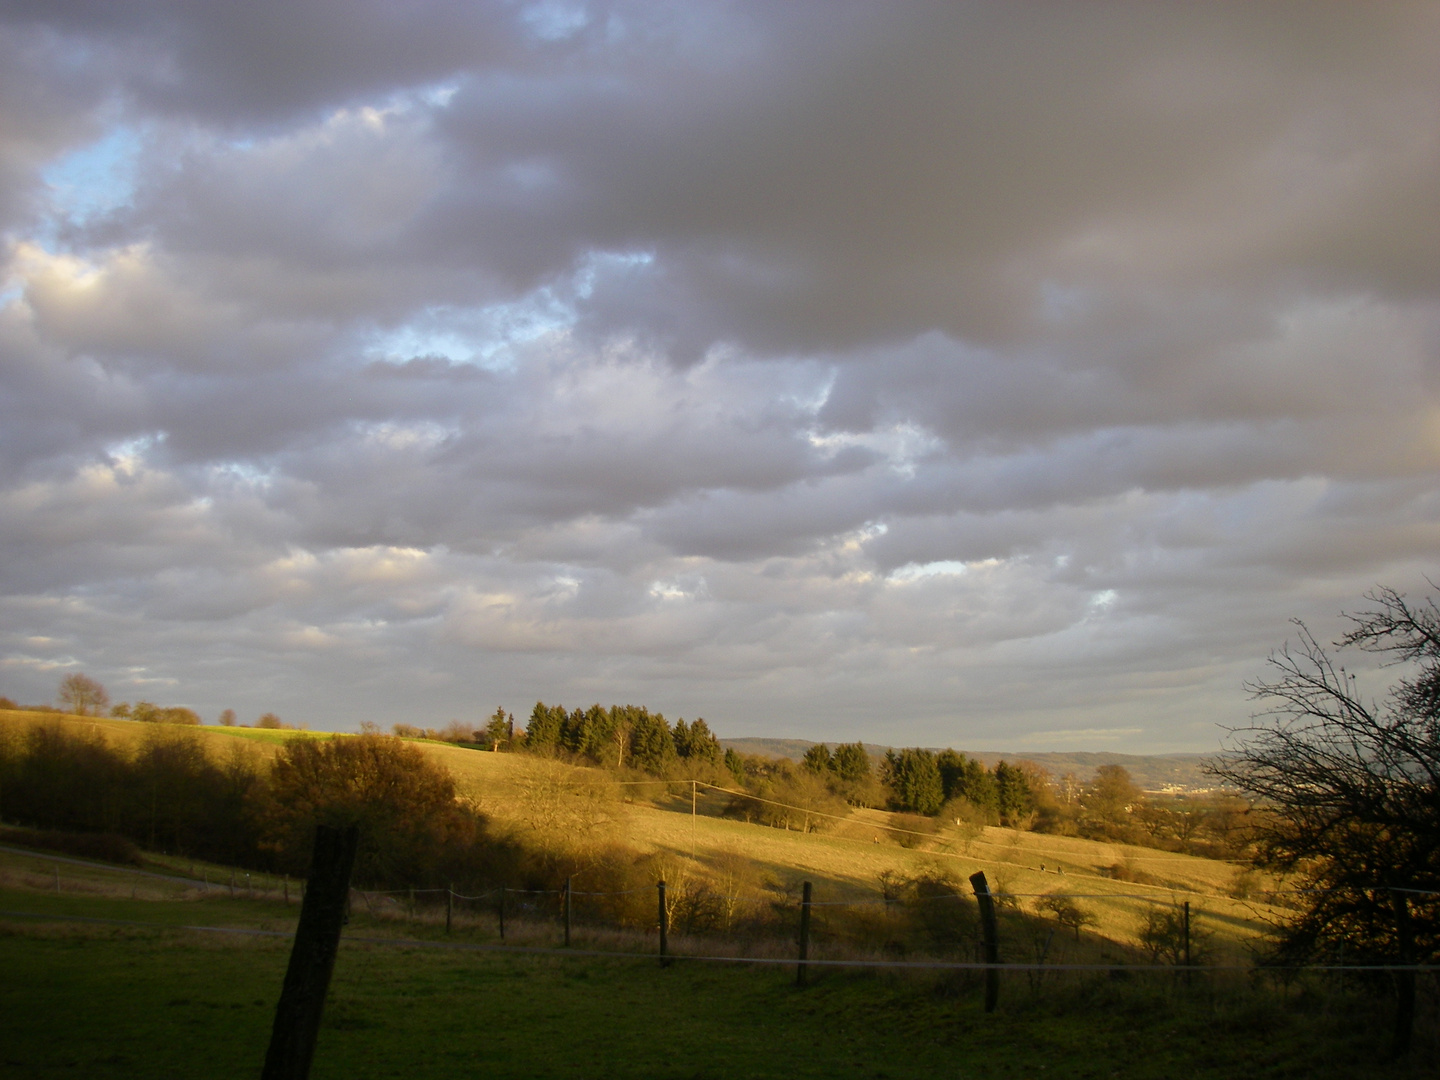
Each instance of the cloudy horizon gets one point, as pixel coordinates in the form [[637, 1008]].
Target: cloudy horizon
[[989, 375]]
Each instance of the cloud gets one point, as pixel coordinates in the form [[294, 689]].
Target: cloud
[[982, 374]]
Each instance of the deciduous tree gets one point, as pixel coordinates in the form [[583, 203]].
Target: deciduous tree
[[1067, 911], [82, 695], [1352, 794], [411, 825], [1109, 798]]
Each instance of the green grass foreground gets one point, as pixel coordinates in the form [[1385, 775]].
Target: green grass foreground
[[101, 1001]]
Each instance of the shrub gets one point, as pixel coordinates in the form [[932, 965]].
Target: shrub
[[1066, 910], [912, 829], [106, 847], [412, 828], [1162, 935]]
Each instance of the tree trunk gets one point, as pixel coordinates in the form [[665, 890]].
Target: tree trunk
[[1404, 980]]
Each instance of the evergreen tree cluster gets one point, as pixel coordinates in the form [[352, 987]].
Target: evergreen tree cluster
[[923, 782], [849, 762], [622, 736]]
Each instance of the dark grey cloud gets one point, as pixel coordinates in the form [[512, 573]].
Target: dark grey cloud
[[979, 373], [267, 63]]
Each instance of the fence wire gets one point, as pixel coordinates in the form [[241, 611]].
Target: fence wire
[[766, 961]]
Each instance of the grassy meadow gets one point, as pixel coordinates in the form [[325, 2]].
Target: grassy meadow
[[848, 859], [107, 999]]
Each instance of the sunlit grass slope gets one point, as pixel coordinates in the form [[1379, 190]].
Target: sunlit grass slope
[[131, 733], [846, 861]]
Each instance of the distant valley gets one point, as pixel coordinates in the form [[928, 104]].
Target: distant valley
[[1153, 772]]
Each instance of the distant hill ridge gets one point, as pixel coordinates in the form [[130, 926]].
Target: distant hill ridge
[[1151, 771]]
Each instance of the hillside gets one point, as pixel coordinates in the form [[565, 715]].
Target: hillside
[[847, 861], [131, 732], [590, 810]]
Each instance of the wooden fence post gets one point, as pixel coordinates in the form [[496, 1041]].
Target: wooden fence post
[[664, 928], [567, 912], [502, 912], [1404, 980], [1185, 917], [991, 938], [312, 959], [801, 969], [449, 904]]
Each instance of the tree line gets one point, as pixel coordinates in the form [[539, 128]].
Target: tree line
[[171, 793], [924, 788], [80, 695]]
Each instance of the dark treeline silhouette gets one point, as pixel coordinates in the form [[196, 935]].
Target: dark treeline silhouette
[[170, 795], [165, 795]]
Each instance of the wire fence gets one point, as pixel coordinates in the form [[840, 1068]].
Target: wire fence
[[987, 937], [938, 929], [766, 961]]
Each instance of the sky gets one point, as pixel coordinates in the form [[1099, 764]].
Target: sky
[[1002, 376]]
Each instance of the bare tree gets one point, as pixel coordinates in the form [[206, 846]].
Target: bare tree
[[1350, 796], [82, 695], [1067, 911]]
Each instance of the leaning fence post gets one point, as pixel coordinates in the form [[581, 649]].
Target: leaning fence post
[[664, 928], [312, 959], [801, 968], [449, 904], [991, 938], [567, 912]]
